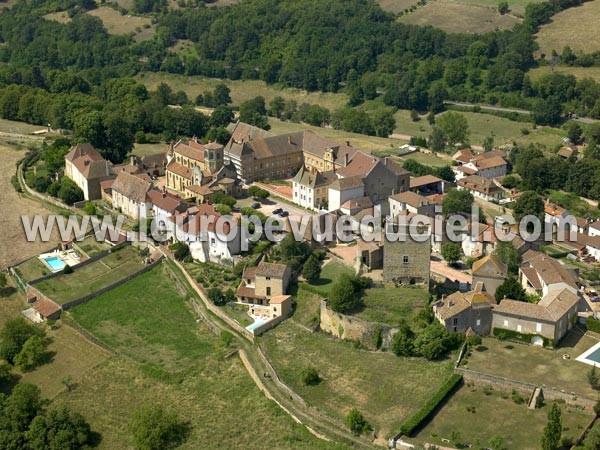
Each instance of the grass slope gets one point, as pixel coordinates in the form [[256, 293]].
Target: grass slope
[[385, 388], [576, 27], [392, 306], [460, 18]]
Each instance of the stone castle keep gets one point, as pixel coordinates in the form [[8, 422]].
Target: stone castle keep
[[406, 262]]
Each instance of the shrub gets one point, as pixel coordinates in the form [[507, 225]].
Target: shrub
[[67, 269], [419, 418], [180, 250], [310, 376], [357, 423], [32, 354], [216, 296], [592, 324], [15, 182]]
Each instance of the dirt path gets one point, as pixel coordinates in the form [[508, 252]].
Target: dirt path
[[13, 245]]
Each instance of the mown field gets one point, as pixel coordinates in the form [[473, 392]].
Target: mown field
[[496, 414], [579, 72], [576, 27], [116, 23], [459, 17], [396, 6], [392, 306], [92, 277], [241, 90]]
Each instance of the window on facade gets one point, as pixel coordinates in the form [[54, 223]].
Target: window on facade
[[268, 278], [478, 322], [506, 323], [405, 259], [268, 291], [538, 327], [455, 321]]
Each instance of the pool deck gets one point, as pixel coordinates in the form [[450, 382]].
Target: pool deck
[[584, 356]]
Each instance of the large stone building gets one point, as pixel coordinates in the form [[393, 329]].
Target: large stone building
[[551, 318], [130, 195], [310, 188], [460, 311], [406, 260], [258, 155], [86, 167]]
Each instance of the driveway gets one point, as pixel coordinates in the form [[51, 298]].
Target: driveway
[[442, 268]]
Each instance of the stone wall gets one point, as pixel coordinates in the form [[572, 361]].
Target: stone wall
[[352, 328]]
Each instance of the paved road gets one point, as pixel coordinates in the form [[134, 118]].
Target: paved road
[[488, 107]]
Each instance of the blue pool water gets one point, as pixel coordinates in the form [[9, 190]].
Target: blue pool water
[[55, 263], [255, 325], [594, 356]]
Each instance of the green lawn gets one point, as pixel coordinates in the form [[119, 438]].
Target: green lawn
[[32, 269], [579, 72], [329, 274], [385, 388], [392, 306], [537, 365], [478, 417], [159, 333], [93, 277]]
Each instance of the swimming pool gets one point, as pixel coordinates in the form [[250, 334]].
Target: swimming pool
[[55, 263], [255, 325], [591, 356]]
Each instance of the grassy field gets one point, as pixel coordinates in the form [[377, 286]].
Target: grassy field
[[516, 7], [216, 396], [576, 27], [241, 90], [579, 72], [13, 246], [11, 126], [460, 18], [495, 414], [148, 149], [115, 23], [330, 273], [91, 246], [385, 388], [93, 277], [159, 333], [32, 269], [536, 365], [60, 17], [396, 6], [73, 357], [392, 306]]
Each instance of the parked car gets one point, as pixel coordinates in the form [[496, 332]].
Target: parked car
[[277, 211], [284, 214], [256, 205]]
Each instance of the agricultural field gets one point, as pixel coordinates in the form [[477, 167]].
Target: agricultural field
[[14, 246], [496, 414], [396, 6], [60, 17], [392, 306], [241, 90], [536, 365], [385, 388], [92, 277], [460, 17], [116, 23], [579, 72], [576, 27], [516, 7]]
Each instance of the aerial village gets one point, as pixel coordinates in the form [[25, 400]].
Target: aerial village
[[433, 299]]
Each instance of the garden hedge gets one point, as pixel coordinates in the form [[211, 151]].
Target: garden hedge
[[427, 410]]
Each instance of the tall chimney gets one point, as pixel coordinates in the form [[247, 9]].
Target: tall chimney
[[132, 160], [345, 159], [289, 139], [348, 143]]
